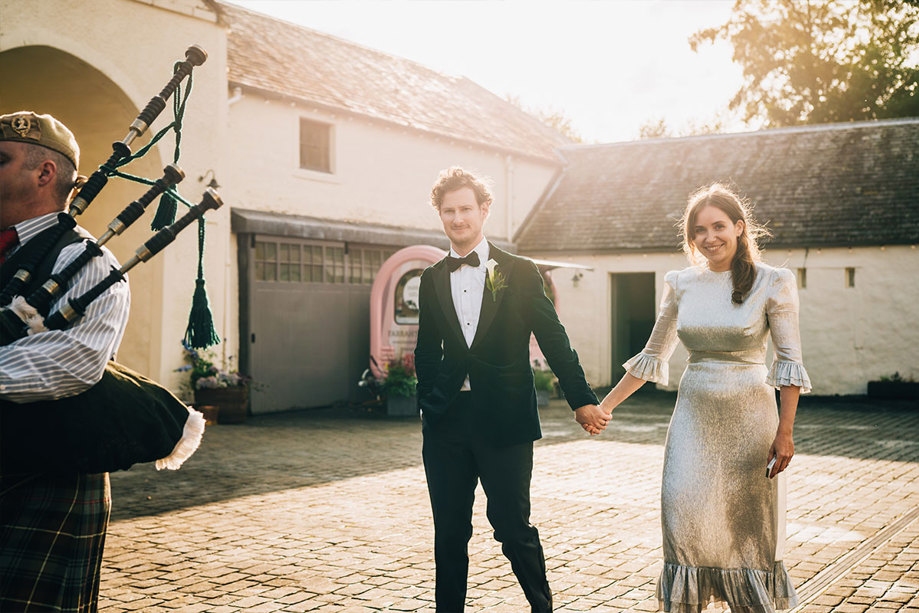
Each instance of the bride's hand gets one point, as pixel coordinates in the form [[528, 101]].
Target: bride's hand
[[783, 448], [591, 418]]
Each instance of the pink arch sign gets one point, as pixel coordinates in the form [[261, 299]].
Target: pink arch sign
[[394, 304]]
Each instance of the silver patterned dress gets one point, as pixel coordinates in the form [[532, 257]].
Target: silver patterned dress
[[723, 521]]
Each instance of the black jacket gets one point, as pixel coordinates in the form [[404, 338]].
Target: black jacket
[[498, 362]]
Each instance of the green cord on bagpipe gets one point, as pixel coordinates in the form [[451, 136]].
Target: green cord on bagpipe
[[124, 418], [200, 332], [18, 313]]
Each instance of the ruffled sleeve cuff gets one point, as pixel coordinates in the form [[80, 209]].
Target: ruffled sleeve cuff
[[644, 366], [788, 373]]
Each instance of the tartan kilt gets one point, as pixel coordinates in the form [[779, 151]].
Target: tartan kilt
[[52, 531]]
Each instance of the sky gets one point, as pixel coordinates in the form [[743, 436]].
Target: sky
[[610, 66]]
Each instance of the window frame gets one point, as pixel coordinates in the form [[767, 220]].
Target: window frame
[[317, 262], [326, 144]]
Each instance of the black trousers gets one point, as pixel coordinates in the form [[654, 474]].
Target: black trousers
[[456, 457]]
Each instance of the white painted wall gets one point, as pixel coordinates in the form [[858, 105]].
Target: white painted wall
[[380, 174], [850, 335], [134, 44]]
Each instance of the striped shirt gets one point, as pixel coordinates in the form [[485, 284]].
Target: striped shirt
[[60, 363]]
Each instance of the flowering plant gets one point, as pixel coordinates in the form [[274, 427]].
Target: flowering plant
[[543, 378], [494, 279], [400, 379], [204, 374]]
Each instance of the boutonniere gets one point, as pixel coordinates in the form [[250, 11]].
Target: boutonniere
[[494, 280]]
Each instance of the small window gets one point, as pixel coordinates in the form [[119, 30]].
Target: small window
[[372, 263], [850, 277], [355, 257], [312, 263], [315, 141], [334, 265], [802, 278], [289, 262], [266, 261]]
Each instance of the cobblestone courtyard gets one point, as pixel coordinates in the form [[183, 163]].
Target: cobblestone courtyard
[[328, 511]]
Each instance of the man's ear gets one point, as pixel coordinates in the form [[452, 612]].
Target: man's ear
[[47, 172], [486, 207]]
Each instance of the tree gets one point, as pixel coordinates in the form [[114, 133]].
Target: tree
[[822, 61], [558, 121], [659, 128], [555, 119], [654, 128]]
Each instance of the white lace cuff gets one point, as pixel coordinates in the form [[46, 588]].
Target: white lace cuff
[[788, 373], [644, 366]]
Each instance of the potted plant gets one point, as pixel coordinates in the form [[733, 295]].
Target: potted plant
[[398, 387], [894, 387], [224, 388], [544, 382]]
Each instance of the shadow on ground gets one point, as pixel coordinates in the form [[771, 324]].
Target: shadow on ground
[[305, 448]]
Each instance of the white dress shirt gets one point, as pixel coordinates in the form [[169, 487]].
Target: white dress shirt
[[467, 285], [60, 363]]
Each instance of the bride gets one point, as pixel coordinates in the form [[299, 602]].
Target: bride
[[722, 507]]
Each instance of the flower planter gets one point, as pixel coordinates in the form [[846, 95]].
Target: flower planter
[[210, 413], [402, 406], [232, 403], [905, 390]]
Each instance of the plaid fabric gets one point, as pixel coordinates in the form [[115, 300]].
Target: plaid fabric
[[52, 531]]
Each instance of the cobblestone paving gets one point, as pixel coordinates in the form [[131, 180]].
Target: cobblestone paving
[[328, 511]]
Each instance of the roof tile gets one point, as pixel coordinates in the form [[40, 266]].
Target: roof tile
[[291, 60], [841, 184]]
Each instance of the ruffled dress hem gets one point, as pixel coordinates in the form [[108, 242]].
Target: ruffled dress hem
[[788, 373], [689, 589], [644, 366]]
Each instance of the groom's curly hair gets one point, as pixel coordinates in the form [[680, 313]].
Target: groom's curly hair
[[455, 178]]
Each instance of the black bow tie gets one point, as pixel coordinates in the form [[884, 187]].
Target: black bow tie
[[470, 260]]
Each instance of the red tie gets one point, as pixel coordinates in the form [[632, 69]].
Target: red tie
[[8, 240]]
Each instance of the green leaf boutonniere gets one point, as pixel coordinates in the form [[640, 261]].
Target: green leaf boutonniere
[[494, 280]]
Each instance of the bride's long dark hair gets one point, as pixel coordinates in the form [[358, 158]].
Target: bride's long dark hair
[[743, 268]]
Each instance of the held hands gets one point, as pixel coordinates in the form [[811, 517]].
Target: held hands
[[783, 448], [592, 418]]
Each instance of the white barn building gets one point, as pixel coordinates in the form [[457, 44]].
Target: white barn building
[[841, 200], [325, 152]]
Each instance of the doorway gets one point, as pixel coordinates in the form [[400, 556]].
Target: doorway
[[632, 316]]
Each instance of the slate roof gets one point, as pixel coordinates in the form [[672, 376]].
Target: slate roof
[[834, 185], [282, 58]]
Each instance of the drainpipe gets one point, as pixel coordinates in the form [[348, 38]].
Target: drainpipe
[[237, 96], [228, 268], [509, 197]]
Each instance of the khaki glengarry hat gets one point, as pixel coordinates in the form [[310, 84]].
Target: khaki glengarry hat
[[42, 130]]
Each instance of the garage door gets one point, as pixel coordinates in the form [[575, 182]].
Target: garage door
[[308, 320]]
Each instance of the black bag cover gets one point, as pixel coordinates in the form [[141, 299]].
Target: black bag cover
[[123, 420]]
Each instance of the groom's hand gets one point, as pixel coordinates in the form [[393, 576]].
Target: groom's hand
[[592, 418]]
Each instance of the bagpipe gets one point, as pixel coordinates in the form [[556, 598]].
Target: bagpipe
[[126, 418]]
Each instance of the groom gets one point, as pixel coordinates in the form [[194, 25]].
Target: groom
[[475, 390]]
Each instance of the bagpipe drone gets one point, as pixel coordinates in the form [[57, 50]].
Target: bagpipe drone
[[126, 418]]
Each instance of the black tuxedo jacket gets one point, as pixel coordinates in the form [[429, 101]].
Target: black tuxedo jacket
[[498, 362]]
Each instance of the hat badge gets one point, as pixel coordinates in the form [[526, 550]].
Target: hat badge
[[21, 124]]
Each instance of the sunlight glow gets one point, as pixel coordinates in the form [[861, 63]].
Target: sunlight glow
[[609, 66]]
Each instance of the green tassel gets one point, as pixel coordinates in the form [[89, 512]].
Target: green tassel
[[200, 332], [165, 213]]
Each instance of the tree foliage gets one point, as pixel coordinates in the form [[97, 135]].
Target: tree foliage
[[823, 61], [554, 118], [654, 128], [659, 128]]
